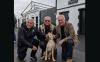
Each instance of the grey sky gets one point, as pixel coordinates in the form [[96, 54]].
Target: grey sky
[[20, 5]]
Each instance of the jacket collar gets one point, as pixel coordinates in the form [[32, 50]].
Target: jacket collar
[[43, 27]]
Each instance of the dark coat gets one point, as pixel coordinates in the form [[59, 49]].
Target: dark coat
[[26, 36]]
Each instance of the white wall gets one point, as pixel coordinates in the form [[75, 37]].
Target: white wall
[[64, 3], [73, 14]]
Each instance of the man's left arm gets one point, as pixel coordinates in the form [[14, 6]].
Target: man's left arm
[[72, 34]]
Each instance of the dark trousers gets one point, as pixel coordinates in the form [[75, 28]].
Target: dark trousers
[[23, 49], [42, 45], [67, 49]]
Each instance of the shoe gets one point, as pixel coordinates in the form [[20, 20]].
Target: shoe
[[34, 58], [69, 60], [63, 58], [20, 60]]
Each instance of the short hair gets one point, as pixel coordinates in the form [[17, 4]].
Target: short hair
[[61, 16], [47, 17], [30, 18]]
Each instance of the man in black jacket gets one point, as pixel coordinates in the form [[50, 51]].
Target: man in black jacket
[[26, 39]]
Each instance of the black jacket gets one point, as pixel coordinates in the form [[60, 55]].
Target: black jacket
[[26, 36]]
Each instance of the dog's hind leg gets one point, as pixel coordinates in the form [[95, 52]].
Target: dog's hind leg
[[53, 55], [43, 56], [46, 54]]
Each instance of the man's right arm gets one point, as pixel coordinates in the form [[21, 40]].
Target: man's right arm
[[57, 35], [22, 38]]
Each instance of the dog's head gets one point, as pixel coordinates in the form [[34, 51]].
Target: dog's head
[[50, 36]]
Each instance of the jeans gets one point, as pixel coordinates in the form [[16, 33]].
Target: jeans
[[67, 49]]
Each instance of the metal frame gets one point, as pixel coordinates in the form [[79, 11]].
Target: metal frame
[[37, 7]]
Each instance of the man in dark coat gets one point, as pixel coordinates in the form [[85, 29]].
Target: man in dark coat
[[26, 39]]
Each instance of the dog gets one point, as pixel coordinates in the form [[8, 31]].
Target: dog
[[50, 47]]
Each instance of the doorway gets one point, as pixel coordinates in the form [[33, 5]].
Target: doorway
[[81, 23]]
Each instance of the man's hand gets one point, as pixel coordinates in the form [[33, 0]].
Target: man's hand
[[60, 42], [34, 48], [63, 40]]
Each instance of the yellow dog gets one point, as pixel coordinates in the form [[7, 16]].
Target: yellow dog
[[50, 47]]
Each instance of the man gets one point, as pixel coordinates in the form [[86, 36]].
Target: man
[[26, 39], [67, 38], [45, 28]]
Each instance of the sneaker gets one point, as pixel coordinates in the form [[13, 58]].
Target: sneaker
[[69, 60], [64, 60], [33, 58]]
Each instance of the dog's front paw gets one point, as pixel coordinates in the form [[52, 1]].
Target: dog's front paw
[[42, 57], [54, 60], [45, 58], [49, 58]]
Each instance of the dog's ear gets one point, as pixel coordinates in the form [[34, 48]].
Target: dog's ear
[[46, 35]]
